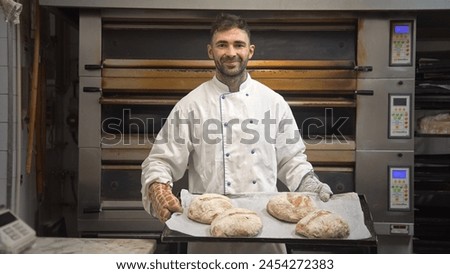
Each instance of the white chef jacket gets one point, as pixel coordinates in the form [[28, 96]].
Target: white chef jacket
[[231, 142]]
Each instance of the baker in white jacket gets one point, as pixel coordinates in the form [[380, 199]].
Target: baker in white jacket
[[234, 134]]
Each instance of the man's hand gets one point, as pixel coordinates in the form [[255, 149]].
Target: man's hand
[[311, 184], [162, 200]]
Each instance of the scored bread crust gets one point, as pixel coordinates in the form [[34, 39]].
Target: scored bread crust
[[290, 207], [236, 222], [206, 207], [323, 224]]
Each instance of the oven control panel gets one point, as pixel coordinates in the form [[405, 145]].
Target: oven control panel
[[401, 41], [399, 116], [399, 188]]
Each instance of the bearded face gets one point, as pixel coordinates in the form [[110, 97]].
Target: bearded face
[[230, 51], [231, 66]]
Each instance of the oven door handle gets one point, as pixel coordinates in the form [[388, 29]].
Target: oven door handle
[[363, 68], [93, 67], [92, 89], [366, 92], [91, 210]]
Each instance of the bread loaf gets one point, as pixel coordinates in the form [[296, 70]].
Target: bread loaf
[[236, 222], [206, 207], [290, 207], [323, 224], [434, 124]]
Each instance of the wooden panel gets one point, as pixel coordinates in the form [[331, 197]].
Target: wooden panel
[[129, 141], [321, 102], [331, 156], [185, 75], [127, 155], [153, 101], [156, 73], [259, 64], [142, 63], [334, 169], [172, 100], [329, 144], [310, 84], [302, 64], [158, 84], [121, 167], [208, 73], [331, 151], [135, 147], [187, 84], [314, 156], [302, 73]]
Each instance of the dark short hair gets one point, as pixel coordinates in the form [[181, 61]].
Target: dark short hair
[[226, 21]]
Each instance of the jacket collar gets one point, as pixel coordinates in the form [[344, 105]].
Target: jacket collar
[[224, 88]]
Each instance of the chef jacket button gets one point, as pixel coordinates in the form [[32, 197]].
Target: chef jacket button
[[223, 96], [225, 124], [227, 154], [228, 183], [246, 94], [254, 181], [251, 121], [253, 151]]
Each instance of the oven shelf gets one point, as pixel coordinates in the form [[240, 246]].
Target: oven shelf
[[432, 95], [431, 224], [432, 159], [431, 203], [425, 90], [421, 246], [432, 228], [437, 103], [431, 135], [431, 173], [431, 186]]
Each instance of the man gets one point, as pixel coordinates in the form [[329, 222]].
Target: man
[[233, 133]]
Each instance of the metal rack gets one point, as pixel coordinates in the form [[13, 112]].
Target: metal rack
[[432, 153]]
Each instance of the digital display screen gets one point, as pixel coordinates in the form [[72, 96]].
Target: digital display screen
[[399, 174], [400, 101], [401, 29], [6, 218]]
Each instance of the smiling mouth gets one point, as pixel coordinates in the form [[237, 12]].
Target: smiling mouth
[[231, 63], [231, 60]]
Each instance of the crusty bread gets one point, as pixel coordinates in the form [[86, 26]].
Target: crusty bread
[[236, 222], [290, 207], [206, 207], [434, 124], [323, 224]]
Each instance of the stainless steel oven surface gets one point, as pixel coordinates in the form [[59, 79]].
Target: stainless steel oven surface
[[132, 119], [119, 183]]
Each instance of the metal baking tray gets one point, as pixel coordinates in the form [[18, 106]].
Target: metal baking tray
[[171, 236]]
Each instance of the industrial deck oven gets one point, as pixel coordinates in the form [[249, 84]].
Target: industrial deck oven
[[348, 76]]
